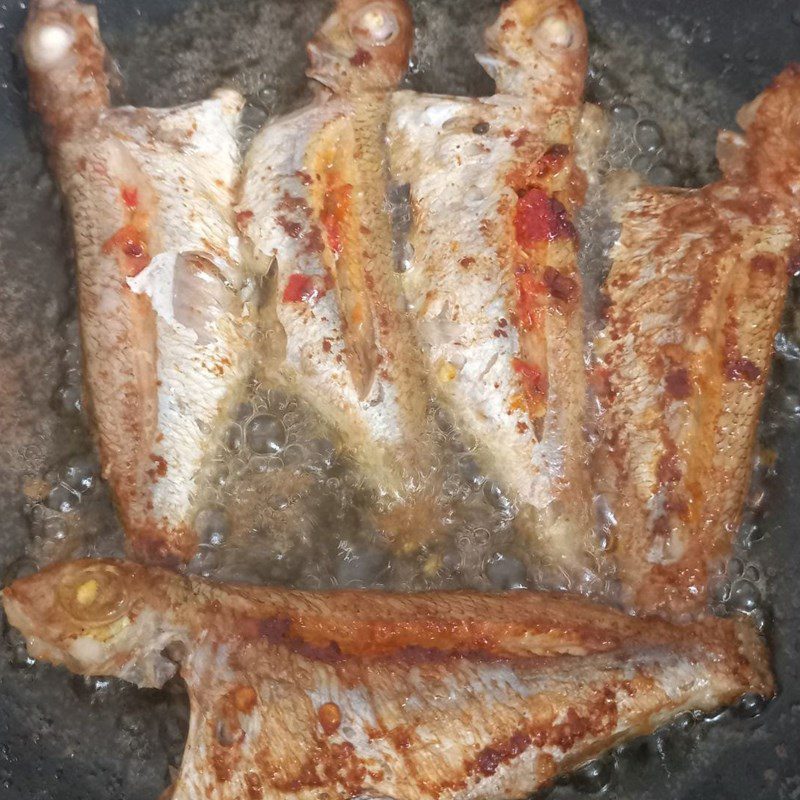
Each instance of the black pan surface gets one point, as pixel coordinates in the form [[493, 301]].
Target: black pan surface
[[694, 63]]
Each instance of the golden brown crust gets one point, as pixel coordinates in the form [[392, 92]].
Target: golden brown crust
[[696, 292], [420, 697]]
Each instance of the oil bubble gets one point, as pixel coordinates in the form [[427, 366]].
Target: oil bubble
[[265, 434], [62, 498], [212, 526], [505, 572], [745, 596], [648, 135]]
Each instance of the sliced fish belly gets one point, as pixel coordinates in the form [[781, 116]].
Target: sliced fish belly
[[493, 282], [416, 697], [696, 291], [149, 196], [502, 330], [314, 202], [695, 297]]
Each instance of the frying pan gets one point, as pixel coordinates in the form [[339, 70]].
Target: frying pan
[[689, 64]]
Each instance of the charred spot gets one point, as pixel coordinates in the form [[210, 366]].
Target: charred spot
[[765, 263], [326, 345], [467, 261], [560, 286], [668, 470], [678, 384], [741, 369], [490, 758], [481, 128]]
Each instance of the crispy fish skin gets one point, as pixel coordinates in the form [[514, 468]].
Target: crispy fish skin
[[493, 284], [314, 201], [414, 697], [695, 291], [149, 193]]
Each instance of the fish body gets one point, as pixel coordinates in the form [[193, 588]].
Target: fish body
[[695, 292], [314, 203], [492, 281], [414, 697], [161, 283]]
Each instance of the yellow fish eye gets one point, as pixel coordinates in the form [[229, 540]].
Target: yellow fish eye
[[95, 594]]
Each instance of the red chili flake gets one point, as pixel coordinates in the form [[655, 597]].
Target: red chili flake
[[741, 369], [533, 380], [243, 217], [541, 218], [130, 241], [130, 196], [299, 288], [677, 383], [326, 345], [330, 717], [552, 160], [467, 261], [361, 58], [560, 286]]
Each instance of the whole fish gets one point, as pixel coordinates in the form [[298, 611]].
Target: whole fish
[[433, 696], [492, 274], [314, 202], [695, 294], [161, 285]]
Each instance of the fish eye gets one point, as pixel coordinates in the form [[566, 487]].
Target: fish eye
[[556, 30], [94, 595], [49, 44], [375, 24]]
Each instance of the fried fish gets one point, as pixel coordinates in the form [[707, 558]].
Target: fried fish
[[695, 295], [492, 276], [162, 289], [433, 696]]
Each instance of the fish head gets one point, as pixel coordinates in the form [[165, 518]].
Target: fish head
[[66, 64], [538, 46], [362, 45], [87, 615]]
